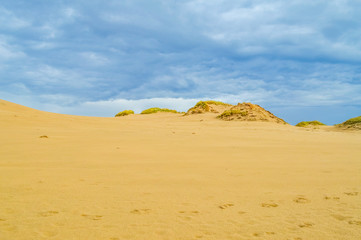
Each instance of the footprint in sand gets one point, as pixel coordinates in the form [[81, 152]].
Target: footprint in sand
[[193, 212], [140, 211], [43, 136], [301, 199], [259, 234], [354, 222], [351, 193], [269, 205], [49, 233], [340, 217], [48, 213], [226, 205], [333, 198], [306, 225], [92, 217]]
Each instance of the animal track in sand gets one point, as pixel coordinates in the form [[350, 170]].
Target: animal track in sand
[[340, 217], [140, 211], [301, 199], [226, 205], [306, 225], [92, 217], [354, 222], [194, 212], [334, 198], [351, 193], [269, 205], [49, 233], [43, 136], [48, 213], [259, 234]]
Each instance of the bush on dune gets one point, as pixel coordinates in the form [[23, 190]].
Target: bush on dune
[[156, 109], [125, 113], [231, 112], [203, 106], [352, 123], [312, 123]]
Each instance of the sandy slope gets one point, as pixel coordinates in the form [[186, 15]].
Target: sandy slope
[[164, 176]]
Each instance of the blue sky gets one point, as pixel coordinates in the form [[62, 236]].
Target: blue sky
[[299, 59]]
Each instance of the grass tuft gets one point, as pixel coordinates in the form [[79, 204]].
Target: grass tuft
[[313, 123], [125, 113], [352, 121], [203, 106], [232, 112], [156, 109]]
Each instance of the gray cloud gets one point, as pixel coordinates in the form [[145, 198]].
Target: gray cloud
[[279, 54]]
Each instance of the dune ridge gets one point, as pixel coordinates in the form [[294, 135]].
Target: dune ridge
[[168, 176]]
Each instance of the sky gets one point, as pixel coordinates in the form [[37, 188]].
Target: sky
[[300, 60]]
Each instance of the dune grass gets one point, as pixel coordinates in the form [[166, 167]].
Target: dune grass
[[308, 123], [203, 106], [156, 109], [215, 103], [352, 121], [232, 112], [124, 113]]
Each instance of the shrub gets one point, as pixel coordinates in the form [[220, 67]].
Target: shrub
[[352, 121], [125, 113], [201, 104], [156, 109], [232, 112], [216, 103], [313, 123]]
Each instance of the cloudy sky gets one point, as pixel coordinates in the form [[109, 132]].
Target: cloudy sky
[[299, 59]]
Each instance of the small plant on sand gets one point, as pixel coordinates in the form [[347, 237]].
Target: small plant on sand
[[125, 113], [232, 112], [312, 123], [156, 109]]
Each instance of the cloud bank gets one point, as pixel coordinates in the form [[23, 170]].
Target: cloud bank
[[72, 56]]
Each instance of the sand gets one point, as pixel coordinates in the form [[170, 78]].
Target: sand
[[166, 176]]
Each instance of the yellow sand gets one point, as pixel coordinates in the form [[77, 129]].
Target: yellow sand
[[164, 176]]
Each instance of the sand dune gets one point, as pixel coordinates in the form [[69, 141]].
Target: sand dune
[[169, 176]]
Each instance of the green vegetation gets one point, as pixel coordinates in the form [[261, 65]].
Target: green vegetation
[[313, 123], [352, 121], [232, 112], [125, 113], [203, 106], [156, 109], [215, 103]]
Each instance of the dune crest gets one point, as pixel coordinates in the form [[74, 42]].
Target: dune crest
[[165, 176]]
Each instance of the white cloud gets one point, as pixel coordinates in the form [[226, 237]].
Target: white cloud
[[8, 51], [8, 20], [49, 77], [95, 59]]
